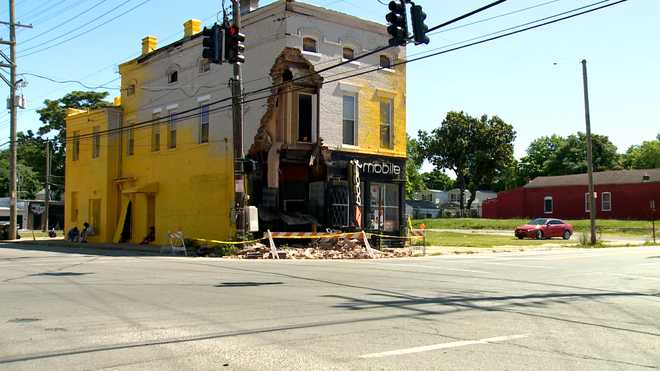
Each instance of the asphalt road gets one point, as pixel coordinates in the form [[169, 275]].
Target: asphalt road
[[537, 310]]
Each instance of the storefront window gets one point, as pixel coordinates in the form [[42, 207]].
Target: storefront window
[[383, 207]]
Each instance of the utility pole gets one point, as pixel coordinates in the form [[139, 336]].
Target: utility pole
[[47, 187], [12, 100], [11, 64], [237, 112], [590, 164]]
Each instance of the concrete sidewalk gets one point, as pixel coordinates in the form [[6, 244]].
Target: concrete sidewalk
[[62, 245]]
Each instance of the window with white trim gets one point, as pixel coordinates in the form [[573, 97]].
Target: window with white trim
[[349, 119], [386, 123], [310, 45], [606, 201], [587, 207], [204, 123], [548, 205]]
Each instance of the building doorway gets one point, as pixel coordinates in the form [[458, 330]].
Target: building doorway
[[127, 229]]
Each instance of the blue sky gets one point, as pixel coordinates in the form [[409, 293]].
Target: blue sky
[[531, 80]]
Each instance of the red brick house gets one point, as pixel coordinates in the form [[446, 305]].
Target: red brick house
[[620, 194]]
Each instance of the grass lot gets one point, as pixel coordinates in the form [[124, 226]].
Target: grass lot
[[610, 227], [453, 239]]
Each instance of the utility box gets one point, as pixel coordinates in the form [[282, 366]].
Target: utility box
[[252, 218]]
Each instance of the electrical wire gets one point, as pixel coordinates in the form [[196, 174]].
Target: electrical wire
[[87, 31], [67, 81], [68, 21], [178, 116]]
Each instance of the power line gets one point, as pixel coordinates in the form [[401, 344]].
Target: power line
[[68, 81], [86, 31], [66, 22], [495, 17], [178, 116]]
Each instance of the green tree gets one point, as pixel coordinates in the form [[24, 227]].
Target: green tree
[[643, 156], [414, 180], [571, 158], [437, 179], [539, 153], [477, 150], [29, 181]]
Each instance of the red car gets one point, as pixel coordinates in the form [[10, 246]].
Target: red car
[[545, 228]]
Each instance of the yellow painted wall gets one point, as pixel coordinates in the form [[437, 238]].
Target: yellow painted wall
[[369, 113], [194, 181], [90, 178]]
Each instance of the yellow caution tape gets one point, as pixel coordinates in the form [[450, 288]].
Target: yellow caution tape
[[394, 237], [229, 242], [336, 235]]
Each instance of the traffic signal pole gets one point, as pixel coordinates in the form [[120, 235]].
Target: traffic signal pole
[[237, 113]]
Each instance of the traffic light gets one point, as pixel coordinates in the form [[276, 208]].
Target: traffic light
[[398, 27], [234, 47], [419, 27], [212, 44]]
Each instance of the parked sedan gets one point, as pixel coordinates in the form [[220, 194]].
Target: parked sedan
[[544, 228]]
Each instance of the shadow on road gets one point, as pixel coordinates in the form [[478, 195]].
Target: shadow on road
[[63, 247], [60, 274]]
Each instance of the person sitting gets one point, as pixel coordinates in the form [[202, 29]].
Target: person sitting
[[150, 237], [87, 231], [73, 234]]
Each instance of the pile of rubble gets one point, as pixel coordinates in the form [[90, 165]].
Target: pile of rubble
[[336, 248]]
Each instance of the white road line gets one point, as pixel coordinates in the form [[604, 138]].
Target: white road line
[[454, 344], [435, 267], [516, 265], [635, 276]]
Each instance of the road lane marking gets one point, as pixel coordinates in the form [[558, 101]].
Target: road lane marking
[[454, 344], [635, 276], [516, 265]]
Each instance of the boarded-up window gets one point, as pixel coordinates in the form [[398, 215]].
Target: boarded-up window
[[130, 146], [204, 123], [76, 145], [96, 142], [171, 137], [74, 206], [155, 132], [95, 214]]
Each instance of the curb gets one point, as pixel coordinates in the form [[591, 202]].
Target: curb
[[82, 246]]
